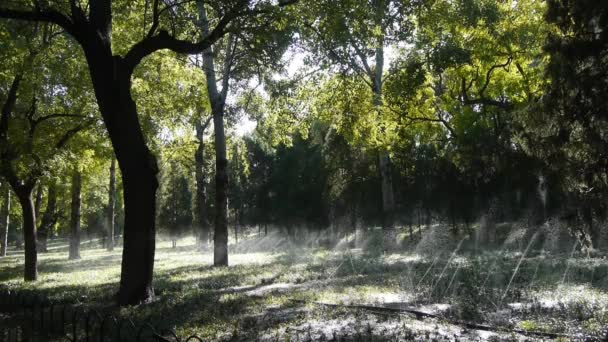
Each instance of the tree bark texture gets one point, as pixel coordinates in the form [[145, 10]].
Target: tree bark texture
[[29, 233], [202, 222], [111, 205]]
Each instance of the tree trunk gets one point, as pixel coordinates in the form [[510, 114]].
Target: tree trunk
[[75, 216], [111, 205], [29, 233], [388, 201], [220, 238], [49, 218], [201, 187], [5, 221], [139, 234], [384, 159], [38, 201], [111, 80]]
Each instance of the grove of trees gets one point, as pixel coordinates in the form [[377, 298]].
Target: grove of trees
[[125, 119]]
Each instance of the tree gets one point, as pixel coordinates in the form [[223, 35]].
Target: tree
[[239, 50], [111, 66], [474, 68], [567, 129], [354, 35]]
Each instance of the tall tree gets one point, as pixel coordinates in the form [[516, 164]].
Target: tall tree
[[353, 35], [217, 98], [243, 54], [567, 129]]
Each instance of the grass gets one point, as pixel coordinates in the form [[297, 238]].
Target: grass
[[272, 285]]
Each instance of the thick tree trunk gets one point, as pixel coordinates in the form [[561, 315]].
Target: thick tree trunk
[[29, 233], [111, 205], [139, 234], [112, 84], [48, 219], [220, 238], [75, 216], [5, 223], [202, 223]]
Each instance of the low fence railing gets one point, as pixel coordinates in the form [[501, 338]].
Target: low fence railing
[[30, 317]]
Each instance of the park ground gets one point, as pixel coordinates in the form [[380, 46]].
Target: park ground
[[277, 289]]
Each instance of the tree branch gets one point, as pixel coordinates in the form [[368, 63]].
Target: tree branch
[[230, 47], [348, 60], [38, 15], [155, 19], [72, 132], [482, 100], [8, 106], [163, 40]]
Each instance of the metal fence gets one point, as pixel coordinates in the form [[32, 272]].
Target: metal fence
[[29, 317], [32, 318]]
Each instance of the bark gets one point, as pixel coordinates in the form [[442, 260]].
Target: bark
[[111, 205], [6, 221], [75, 216], [29, 233], [38, 201], [220, 238], [49, 218], [202, 221]]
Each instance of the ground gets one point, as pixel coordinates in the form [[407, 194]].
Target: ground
[[276, 289]]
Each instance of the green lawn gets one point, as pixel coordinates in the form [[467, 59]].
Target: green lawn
[[274, 288]]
